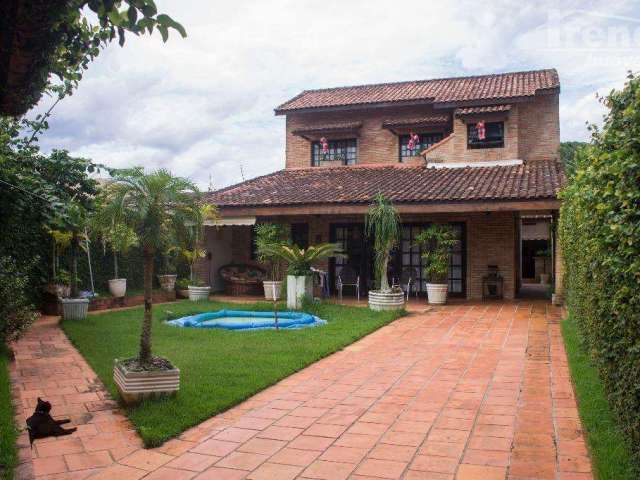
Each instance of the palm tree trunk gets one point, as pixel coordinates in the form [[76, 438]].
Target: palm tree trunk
[[74, 266], [384, 281], [145, 336]]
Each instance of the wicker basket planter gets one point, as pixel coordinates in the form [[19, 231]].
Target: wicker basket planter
[[197, 294], [74, 308], [386, 300], [135, 386]]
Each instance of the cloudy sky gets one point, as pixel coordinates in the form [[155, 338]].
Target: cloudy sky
[[203, 106]]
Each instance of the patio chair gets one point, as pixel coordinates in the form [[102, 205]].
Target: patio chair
[[348, 277], [408, 279]]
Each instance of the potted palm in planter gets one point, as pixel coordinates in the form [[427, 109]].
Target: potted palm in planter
[[383, 224], [299, 262], [60, 280], [121, 238], [269, 234], [167, 279], [75, 307], [436, 242], [156, 206]]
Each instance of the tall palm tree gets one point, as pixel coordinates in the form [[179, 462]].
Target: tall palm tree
[[160, 208], [383, 224]]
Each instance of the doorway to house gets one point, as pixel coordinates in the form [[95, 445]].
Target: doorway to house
[[536, 269], [359, 255]]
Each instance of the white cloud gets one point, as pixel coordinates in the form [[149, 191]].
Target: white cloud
[[203, 106]]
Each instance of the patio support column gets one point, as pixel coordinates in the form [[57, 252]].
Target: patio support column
[[558, 268]]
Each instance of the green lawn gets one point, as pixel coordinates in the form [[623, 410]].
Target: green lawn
[[218, 368], [8, 433], [611, 457]]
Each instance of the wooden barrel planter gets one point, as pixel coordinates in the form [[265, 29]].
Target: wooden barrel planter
[[386, 300]]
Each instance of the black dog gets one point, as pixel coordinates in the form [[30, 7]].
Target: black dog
[[41, 424]]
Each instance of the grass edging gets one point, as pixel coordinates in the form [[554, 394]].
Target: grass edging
[[610, 454], [8, 431], [219, 368]]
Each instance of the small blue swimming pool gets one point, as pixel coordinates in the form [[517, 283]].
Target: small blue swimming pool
[[243, 320]]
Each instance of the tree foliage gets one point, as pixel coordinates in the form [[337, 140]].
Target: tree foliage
[[568, 152], [600, 237], [160, 209], [267, 235], [300, 260], [16, 310], [73, 39]]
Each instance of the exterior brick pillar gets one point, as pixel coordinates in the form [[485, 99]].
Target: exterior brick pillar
[[558, 290]]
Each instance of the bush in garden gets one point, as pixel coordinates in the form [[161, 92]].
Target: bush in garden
[[16, 311], [600, 236]]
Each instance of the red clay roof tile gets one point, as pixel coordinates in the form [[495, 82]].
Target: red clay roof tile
[[535, 180], [442, 90]]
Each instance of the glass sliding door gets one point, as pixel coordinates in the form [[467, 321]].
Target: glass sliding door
[[408, 257]]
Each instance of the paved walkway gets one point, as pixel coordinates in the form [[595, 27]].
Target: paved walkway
[[473, 391]]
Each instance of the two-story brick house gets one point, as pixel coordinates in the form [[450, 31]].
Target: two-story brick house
[[485, 158]]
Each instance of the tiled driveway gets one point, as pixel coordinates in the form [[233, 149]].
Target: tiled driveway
[[473, 391]]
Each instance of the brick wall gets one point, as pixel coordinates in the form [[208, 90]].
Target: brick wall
[[375, 144], [532, 132], [491, 240]]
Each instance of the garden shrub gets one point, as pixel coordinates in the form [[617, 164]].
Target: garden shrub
[[16, 311], [600, 237]]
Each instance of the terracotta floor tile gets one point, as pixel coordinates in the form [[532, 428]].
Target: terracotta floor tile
[[419, 475], [477, 472], [432, 463], [403, 438], [84, 461], [48, 465], [308, 442], [214, 447], [401, 453], [337, 453], [216, 473], [146, 460], [292, 456], [119, 472], [166, 473], [262, 445], [356, 440], [381, 468], [242, 460], [275, 471], [233, 434], [280, 433], [58, 447], [328, 470], [486, 457], [194, 462], [325, 430]]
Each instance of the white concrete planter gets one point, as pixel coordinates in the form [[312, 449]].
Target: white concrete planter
[[386, 300], [197, 294], [74, 308], [544, 278], [167, 282], [271, 288], [135, 386], [297, 289], [118, 287], [437, 293]]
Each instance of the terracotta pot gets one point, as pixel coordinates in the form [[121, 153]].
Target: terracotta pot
[[197, 294], [74, 308], [437, 293], [136, 386], [272, 287], [118, 287], [167, 282], [386, 300]]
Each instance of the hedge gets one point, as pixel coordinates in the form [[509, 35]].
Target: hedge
[[600, 237]]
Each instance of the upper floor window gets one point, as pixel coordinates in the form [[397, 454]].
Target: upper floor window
[[345, 151], [493, 135], [425, 140]]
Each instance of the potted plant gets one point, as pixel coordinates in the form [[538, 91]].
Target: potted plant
[[542, 262], [60, 279], [267, 235], [182, 287], [75, 307], [382, 222], [156, 206], [167, 279], [198, 290], [436, 242], [299, 262], [121, 238]]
